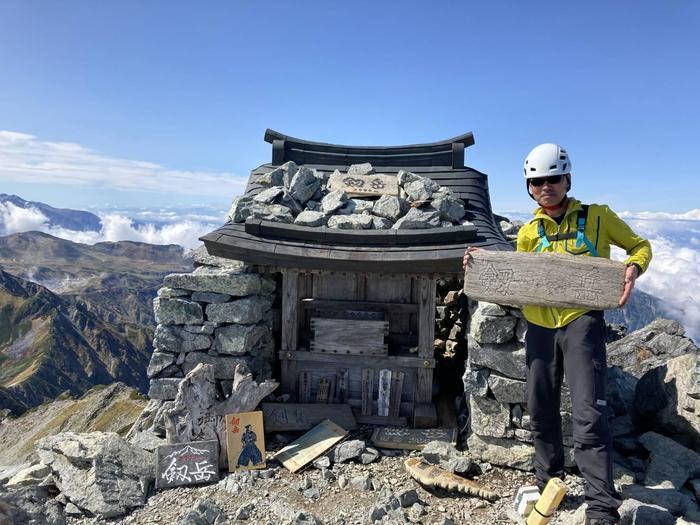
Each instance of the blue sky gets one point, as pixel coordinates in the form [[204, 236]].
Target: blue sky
[[101, 100]]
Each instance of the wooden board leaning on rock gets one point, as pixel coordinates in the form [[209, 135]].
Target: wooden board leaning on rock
[[544, 279]]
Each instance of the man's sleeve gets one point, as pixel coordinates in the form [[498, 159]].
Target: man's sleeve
[[637, 248]]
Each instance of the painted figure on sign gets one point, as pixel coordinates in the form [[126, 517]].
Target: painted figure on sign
[[250, 452]]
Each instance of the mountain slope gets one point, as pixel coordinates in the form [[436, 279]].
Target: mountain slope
[[76, 220], [48, 346], [641, 309]]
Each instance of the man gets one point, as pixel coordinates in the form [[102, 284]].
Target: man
[[571, 341]]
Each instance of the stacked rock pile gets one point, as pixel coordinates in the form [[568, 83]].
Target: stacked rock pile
[[299, 195], [218, 315]]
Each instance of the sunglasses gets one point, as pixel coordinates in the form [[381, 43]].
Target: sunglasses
[[539, 181]]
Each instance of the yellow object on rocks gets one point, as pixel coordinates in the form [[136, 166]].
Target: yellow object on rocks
[[550, 499]]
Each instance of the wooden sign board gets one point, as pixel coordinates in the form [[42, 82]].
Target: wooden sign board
[[364, 185], [544, 279], [311, 445], [289, 417], [349, 336], [245, 440], [194, 463], [412, 438]]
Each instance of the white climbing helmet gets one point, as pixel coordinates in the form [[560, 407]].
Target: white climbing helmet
[[545, 160]]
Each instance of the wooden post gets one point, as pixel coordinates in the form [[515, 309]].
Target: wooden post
[[290, 329], [396, 390], [426, 338], [367, 391], [384, 393]]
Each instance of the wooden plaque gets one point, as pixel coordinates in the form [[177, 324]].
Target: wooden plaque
[[284, 417], [412, 438], [245, 438], [311, 445], [364, 185], [194, 463], [349, 336], [544, 279]]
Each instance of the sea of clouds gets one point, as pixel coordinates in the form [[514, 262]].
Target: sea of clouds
[[181, 226], [672, 276]]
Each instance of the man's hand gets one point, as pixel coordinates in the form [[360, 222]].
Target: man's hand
[[631, 275], [466, 261]]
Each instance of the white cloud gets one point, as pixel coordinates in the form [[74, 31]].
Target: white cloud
[[25, 158], [115, 227], [692, 215], [14, 219]]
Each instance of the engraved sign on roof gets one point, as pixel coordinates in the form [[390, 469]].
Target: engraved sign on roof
[[372, 185]]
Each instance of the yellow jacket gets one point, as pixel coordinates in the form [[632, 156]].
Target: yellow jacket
[[603, 228]]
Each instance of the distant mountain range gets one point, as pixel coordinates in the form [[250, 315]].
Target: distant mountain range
[[73, 316], [76, 220]]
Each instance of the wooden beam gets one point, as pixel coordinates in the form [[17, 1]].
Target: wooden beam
[[290, 303], [426, 316]]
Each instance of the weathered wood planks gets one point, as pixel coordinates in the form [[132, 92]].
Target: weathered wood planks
[[349, 336], [287, 417], [412, 438], [311, 445], [545, 279]]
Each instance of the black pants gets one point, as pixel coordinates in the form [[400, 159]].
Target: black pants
[[577, 349]]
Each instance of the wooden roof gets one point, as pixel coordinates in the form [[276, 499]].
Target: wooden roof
[[437, 250]]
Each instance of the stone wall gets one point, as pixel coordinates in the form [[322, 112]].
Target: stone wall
[[220, 314], [494, 385]]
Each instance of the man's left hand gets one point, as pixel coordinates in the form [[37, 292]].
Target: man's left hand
[[631, 275]]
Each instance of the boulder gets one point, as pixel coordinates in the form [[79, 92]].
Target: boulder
[[508, 358], [489, 417], [450, 208], [475, 382], [239, 339], [420, 188], [492, 329], [311, 218], [240, 208], [99, 471], [359, 170], [269, 195], [177, 311], [350, 222], [507, 390], [667, 398], [669, 461], [634, 512], [380, 223], [159, 362], [271, 212], [333, 201], [389, 207], [210, 297], [502, 452], [248, 310], [176, 339], [163, 388], [304, 184], [222, 280], [650, 347], [419, 219]]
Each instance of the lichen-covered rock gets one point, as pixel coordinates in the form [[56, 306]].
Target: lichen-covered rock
[[304, 184], [669, 461], [99, 472], [492, 329], [210, 297], [311, 218], [475, 382], [238, 339], [350, 222], [489, 417], [247, 310], [502, 452], [271, 212], [159, 362], [389, 207], [359, 170], [333, 201], [450, 208], [508, 358], [176, 339], [177, 311], [164, 389], [507, 390], [419, 219], [240, 208], [381, 223], [269, 195], [221, 280]]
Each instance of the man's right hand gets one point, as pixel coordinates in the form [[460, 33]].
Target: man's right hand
[[466, 261]]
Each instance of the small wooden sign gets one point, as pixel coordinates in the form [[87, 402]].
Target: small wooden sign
[[311, 445], [544, 279], [384, 392], [364, 185], [288, 417], [367, 391], [194, 463], [412, 438], [245, 439]]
